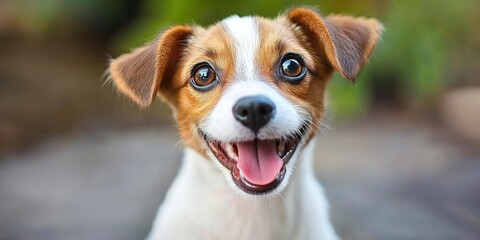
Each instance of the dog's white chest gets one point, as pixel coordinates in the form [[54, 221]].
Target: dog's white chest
[[200, 205]]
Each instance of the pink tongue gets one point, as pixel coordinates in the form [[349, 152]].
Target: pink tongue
[[258, 161]]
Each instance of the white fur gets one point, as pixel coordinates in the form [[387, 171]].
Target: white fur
[[244, 33], [200, 205], [220, 124]]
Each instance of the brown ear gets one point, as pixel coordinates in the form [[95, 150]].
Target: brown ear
[[140, 74], [347, 42]]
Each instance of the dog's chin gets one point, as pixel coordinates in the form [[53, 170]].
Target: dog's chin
[[270, 169]]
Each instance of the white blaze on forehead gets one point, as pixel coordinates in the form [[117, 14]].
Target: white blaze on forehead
[[244, 34], [220, 124]]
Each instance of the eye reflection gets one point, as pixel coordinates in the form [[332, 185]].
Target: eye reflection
[[291, 68], [203, 77]]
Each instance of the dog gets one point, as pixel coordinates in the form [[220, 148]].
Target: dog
[[248, 95]]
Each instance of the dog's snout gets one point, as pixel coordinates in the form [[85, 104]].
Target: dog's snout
[[254, 112]]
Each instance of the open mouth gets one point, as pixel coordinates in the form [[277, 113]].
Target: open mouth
[[257, 166]]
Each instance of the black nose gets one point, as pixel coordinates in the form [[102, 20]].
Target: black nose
[[254, 112]]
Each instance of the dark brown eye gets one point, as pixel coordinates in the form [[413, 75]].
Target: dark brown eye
[[203, 77], [292, 68]]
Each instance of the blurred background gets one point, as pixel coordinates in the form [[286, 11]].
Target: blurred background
[[401, 159]]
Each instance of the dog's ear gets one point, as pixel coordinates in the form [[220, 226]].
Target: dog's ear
[[141, 73], [346, 42]]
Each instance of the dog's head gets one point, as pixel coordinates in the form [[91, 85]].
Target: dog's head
[[248, 92]]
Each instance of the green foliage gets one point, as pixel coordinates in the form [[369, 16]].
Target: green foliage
[[346, 100], [413, 48], [160, 14], [417, 54], [40, 16]]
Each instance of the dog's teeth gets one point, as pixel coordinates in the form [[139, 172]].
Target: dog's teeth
[[231, 152], [286, 154], [280, 148]]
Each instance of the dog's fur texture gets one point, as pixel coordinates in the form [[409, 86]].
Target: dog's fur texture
[[244, 53]]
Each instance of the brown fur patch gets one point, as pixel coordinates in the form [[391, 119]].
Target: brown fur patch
[[134, 74], [347, 42], [210, 45], [139, 75], [278, 38]]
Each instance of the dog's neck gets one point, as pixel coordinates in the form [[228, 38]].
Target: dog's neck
[[200, 200]]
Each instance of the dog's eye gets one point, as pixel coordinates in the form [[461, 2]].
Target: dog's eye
[[203, 77], [292, 68]]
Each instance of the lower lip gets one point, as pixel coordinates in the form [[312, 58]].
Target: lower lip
[[257, 189]]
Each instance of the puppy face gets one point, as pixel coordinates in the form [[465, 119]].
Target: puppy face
[[248, 92]]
